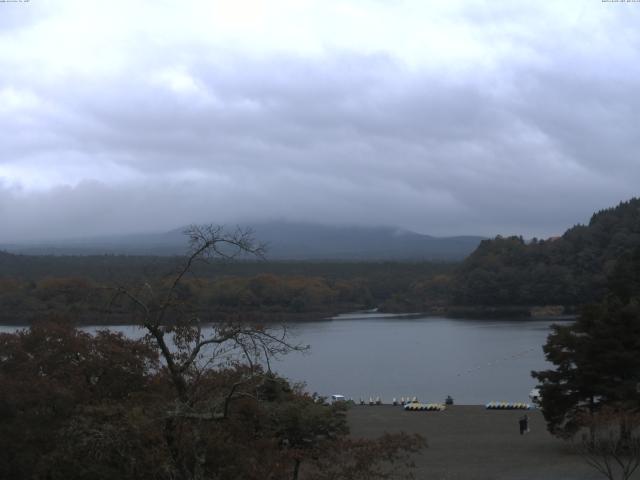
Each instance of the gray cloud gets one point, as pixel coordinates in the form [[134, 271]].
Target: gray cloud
[[529, 140]]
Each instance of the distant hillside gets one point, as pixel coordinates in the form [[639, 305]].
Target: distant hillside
[[285, 241], [35, 286], [569, 270]]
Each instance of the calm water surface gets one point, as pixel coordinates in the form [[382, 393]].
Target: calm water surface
[[367, 354], [474, 361]]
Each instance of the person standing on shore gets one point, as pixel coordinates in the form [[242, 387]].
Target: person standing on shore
[[522, 423], [526, 423]]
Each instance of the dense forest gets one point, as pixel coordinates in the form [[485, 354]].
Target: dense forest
[[569, 270], [503, 276], [81, 287], [511, 274]]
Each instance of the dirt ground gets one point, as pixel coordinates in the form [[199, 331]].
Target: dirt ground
[[470, 442]]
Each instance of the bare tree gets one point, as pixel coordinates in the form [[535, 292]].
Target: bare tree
[[189, 349], [612, 446]]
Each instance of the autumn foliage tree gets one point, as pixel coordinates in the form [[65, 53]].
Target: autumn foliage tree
[[52, 373], [190, 400]]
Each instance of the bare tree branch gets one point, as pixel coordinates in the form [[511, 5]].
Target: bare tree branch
[[163, 312]]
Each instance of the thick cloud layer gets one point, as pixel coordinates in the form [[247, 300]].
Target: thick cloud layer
[[446, 118]]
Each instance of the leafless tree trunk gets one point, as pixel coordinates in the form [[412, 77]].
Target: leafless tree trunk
[[613, 445], [187, 349]]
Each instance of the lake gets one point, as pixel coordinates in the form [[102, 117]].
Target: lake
[[474, 361], [369, 354]]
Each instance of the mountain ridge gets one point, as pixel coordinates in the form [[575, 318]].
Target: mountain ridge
[[285, 240]]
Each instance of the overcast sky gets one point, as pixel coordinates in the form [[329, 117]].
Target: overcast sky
[[445, 117]]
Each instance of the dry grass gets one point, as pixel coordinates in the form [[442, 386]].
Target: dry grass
[[469, 442]]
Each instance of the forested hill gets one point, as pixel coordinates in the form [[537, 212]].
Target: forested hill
[[569, 270]]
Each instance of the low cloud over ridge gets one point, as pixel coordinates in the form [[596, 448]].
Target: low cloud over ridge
[[446, 119]]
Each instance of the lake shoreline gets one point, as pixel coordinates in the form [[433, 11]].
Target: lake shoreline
[[530, 312], [302, 318]]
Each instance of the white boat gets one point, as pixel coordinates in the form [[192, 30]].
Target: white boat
[[534, 395]]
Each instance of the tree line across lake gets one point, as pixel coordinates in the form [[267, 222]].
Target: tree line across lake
[[80, 287], [506, 275]]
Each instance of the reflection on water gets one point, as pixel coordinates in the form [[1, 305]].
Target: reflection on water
[[370, 354]]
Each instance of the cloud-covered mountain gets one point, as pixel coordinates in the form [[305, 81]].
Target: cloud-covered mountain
[[284, 240]]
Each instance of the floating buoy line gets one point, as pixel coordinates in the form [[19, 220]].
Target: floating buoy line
[[495, 362]]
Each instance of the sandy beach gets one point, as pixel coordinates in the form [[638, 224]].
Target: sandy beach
[[470, 442]]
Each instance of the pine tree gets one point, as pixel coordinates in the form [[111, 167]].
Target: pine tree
[[597, 359]]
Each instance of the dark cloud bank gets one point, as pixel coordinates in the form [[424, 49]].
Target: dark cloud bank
[[530, 145]]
